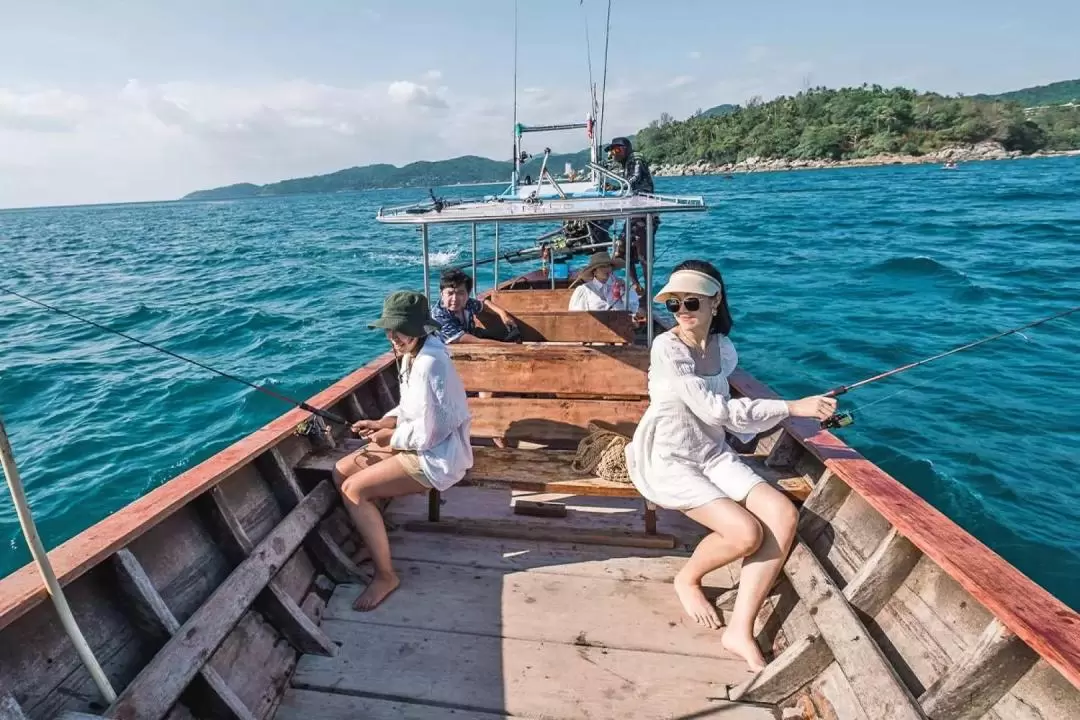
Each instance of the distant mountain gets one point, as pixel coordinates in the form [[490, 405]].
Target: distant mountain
[[1059, 93], [465, 169]]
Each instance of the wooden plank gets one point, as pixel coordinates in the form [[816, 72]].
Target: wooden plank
[[1042, 621], [137, 584], [539, 471], [590, 561], [546, 607], [609, 326], [156, 688], [975, 684], [553, 533], [24, 589], [799, 664], [545, 420], [882, 573], [519, 677], [522, 301], [9, 709], [785, 451], [335, 562], [871, 676], [548, 369], [821, 506], [313, 705], [274, 602], [868, 591]]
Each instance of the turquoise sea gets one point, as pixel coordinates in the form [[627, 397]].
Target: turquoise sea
[[833, 276]]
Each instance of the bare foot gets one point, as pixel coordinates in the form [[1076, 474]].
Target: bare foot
[[694, 602], [745, 647], [377, 591]]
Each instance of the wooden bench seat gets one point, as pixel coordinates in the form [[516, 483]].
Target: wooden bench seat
[[549, 471]]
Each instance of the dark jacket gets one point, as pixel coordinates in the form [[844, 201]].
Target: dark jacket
[[636, 171]]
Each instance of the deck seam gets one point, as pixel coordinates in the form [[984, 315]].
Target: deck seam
[[586, 644], [537, 571], [405, 700]]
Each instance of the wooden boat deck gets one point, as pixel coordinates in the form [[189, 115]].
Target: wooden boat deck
[[501, 627]]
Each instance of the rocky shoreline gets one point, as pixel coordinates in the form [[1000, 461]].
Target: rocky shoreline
[[956, 153]]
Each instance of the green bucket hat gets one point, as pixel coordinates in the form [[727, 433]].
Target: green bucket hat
[[406, 312]]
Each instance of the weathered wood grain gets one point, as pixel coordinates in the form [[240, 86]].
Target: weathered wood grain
[[279, 474], [24, 588], [547, 420], [553, 533], [588, 370], [609, 326], [546, 607], [141, 589], [9, 709], [871, 676], [1042, 621], [160, 683], [523, 678], [801, 662], [274, 602], [523, 301], [882, 573], [975, 684]]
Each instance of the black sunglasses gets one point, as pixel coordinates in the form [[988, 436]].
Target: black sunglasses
[[691, 304]]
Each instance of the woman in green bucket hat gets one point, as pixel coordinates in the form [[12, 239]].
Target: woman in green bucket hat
[[421, 444]]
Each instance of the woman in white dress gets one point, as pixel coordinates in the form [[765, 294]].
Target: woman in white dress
[[421, 444], [600, 289], [679, 458]]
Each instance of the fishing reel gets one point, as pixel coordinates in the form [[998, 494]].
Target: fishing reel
[[838, 420]]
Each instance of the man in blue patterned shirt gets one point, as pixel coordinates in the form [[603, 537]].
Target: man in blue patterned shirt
[[455, 313]]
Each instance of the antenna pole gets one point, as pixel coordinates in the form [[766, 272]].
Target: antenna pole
[[517, 136], [603, 90]]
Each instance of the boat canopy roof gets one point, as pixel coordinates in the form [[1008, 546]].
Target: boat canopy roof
[[498, 209]]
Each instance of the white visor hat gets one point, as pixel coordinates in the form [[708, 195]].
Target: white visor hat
[[689, 281]]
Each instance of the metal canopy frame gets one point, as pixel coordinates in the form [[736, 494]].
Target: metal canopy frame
[[625, 215]]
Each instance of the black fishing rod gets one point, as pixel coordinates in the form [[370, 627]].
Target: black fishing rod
[[284, 398], [843, 419]]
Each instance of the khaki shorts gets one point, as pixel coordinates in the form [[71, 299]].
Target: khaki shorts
[[411, 464]]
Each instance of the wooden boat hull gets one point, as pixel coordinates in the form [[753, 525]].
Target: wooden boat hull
[[201, 597]]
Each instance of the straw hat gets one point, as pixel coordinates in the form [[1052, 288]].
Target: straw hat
[[689, 281], [598, 260]]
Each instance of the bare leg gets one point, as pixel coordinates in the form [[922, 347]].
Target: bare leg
[[778, 519], [735, 534], [384, 479]]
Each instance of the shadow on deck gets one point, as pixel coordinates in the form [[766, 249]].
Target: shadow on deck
[[485, 627]]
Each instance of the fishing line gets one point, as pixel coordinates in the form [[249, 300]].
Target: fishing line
[[838, 420], [284, 398]]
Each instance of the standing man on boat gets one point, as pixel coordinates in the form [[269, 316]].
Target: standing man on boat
[[636, 172]]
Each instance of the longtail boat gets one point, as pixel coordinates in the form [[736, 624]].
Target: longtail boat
[[528, 590]]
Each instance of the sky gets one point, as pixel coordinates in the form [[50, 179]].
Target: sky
[[112, 101]]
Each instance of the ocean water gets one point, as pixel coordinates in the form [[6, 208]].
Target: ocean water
[[832, 275]]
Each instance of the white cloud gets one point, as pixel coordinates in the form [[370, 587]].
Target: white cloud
[[410, 93], [145, 141]]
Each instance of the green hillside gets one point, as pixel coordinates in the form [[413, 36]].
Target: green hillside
[[1059, 93], [854, 123]]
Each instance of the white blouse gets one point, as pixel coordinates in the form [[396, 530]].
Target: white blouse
[[594, 296], [433, 417]]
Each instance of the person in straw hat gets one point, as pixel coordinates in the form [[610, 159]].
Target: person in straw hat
[[679, 457], [600, 289], [421, 444]]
